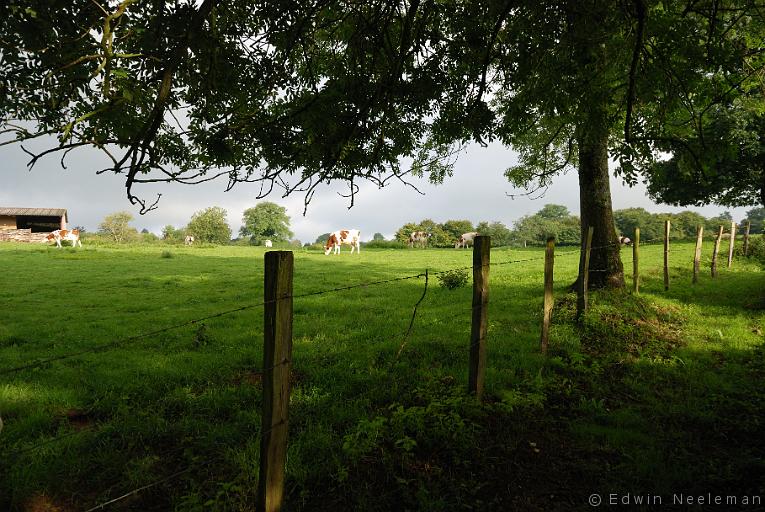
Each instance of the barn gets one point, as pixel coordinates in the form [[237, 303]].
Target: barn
[[30, 224]]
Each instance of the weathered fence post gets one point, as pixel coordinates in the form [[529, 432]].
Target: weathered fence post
[[666, 254], [548, 301], [635, 256], [584, 274], [480, 323], [277, 360], [732, 243], [697, 254], [716, 251], [746, 238]]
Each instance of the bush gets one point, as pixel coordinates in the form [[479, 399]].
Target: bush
[[756, 248], [453, 279]]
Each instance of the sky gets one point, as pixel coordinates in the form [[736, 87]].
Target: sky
[[477, 192]]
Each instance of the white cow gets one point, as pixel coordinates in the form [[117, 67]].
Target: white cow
[[64, 234], [624, 240], [188, 240], [419, 238], [466, 239], [268, 243], [350, 237]]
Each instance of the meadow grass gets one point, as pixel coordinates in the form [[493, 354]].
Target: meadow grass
[[655, 393]]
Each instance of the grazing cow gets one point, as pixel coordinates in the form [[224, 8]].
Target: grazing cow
[[268, 243], [64, 234], [188, 240], [350, 237], [466, 239], [419, 238], [623, 240]]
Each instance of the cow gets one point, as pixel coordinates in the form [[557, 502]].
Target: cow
[[419, 238], [188, 240], [623, 240], [64, 234], [268, 243], [465, 239], [350, 237]]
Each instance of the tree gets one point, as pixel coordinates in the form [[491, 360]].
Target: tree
[[266, 221], [171, 233], [757, 218], [287, 94], [550, 221], [455, 228], [322, 239], [499, 233], [209, 225], [553, 212], [116, 226], [378, 237]]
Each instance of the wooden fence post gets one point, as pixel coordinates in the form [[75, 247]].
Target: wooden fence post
[[635, 257], [732, 243], [548, 301], [716, 251], [666, 254], [480, 322], [697, 254], [746, 238], [277, 361], [584, 274]]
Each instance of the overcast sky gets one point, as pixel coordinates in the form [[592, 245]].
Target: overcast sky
[[476, 192]]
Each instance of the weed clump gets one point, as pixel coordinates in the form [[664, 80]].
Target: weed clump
[[453, 279], [167, 254]]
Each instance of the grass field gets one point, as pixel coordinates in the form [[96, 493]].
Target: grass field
[[653, 394]]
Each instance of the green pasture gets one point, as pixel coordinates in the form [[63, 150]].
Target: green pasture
[[656, 393]]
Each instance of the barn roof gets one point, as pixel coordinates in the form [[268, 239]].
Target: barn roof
[[35, 212]]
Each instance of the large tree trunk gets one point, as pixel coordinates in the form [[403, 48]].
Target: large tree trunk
[[606, 268]]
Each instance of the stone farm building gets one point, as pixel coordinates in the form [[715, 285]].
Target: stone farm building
[[30, 224]]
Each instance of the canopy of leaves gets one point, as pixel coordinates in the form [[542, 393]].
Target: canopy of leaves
[[266, 221], [209, 225], [299, 93], [724, 164]]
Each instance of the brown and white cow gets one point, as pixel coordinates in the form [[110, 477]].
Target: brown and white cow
[[466, 239], [64, 234], [623, 240], [419, 238], [188, 240], [350, 237]]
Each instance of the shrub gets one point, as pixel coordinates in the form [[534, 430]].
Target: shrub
[[756, 248], [167, 254], [453, 279]]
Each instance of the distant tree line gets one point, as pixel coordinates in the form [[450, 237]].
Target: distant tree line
[[556, 221], [268, 221], [265, 221]]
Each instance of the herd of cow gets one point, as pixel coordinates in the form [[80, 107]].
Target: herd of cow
[[350, 237]]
